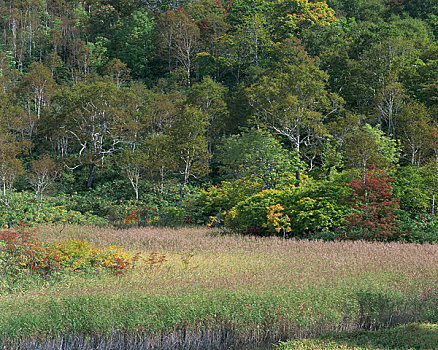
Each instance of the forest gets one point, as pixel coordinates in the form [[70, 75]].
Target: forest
[[296, 118]]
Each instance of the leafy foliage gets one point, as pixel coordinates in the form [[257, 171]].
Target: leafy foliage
[[310, 208], [22, 254], [217, 199], [375, 216], [124, 105], [256, 153]]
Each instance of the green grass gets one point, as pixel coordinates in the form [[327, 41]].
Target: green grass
[[257, 289], [411, 336]]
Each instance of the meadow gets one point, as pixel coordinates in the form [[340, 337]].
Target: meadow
[[200, 288]]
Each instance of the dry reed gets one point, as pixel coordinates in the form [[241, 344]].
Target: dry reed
[[257, 289]]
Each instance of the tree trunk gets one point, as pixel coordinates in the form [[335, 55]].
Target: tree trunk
[[40, 204], [91, 176], [298, 177], [186, 180], [181, 192], [5, 198], [297, 148]]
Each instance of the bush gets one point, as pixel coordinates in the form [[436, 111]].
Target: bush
[[76, 255], [309, 209], [141, 215], [23, 255], [217, 199], [54, 210], [249, 215], [374, 218], [413, 188], [173, 217], [420, 229]]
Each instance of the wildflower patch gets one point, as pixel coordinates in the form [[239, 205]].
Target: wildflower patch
[[23, 254]]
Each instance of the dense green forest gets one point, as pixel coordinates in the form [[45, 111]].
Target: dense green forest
[[290, 117]]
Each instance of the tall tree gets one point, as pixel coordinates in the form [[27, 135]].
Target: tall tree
[[294, 15], [179, 37], [44, 173], [256, 153], [134, 163], [93, 117], [368, 147], [292, 97], [210, 97], [37, 88], [416, 132], [10, 166], [132, 43], [253, 39], [117, 71], [389, 100], [187, 144]]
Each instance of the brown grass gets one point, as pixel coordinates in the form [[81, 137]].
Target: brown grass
[[256, 288], [202, 258]]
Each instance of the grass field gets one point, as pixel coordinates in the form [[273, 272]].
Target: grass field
[[411, 336], [216, 288]]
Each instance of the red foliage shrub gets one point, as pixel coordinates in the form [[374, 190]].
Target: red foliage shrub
[[375, 187], [25, 252], [374, 218], [22, 251]]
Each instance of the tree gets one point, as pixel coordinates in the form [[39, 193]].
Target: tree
[[292, 15], [187, 145], [160, 6], [13, 118], [179, 37], [253, 39], [241, 9], [375, 217], [160, 160], [37, 88], [44, 173], [133, 42], [417, 8], [360, 9], [431, 175], [95, 119], [292, 97], [416, 132], [390, 100], [211, 17], [117, 71], [210, 97], [10, 166], [381, 61], [134, 163], [256, 153], [369, 146], [414, 188]]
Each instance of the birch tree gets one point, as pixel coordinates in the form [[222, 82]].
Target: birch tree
[[95, 118], [291, 97], [187, 144]]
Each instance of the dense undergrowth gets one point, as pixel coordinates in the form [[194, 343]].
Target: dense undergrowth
[[377, 207]]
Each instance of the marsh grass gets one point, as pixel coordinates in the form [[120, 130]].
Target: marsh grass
[[411, 336], [206, 340], [240, 288]]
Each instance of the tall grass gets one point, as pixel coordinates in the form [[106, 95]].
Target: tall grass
[[238, 288], [412, 336]]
